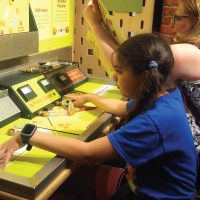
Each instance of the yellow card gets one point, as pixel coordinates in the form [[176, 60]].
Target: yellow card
[[110, 25], [95, 47], [112, 29]]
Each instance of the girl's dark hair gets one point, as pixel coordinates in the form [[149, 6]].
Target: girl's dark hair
[[137, 52]]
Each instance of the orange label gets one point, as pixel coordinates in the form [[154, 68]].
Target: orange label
[[75, 75]]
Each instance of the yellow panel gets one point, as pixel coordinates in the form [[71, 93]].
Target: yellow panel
[[42, 98]]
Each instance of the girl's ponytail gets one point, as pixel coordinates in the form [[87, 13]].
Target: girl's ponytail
[[147, 52]]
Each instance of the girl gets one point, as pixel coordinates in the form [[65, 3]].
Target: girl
[[186, 37], [156, 140]]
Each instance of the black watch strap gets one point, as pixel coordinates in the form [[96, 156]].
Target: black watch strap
[[29, 147]]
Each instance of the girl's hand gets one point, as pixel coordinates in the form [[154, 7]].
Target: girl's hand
[[80, 99], [9, 147], [92, 13]]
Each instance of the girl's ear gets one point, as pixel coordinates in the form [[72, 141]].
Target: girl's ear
[[145, 74]]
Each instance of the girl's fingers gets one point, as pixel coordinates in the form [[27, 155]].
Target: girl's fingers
[[6, 160], [95, 6]]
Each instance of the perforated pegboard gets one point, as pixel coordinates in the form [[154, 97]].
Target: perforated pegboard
[[130, 24]]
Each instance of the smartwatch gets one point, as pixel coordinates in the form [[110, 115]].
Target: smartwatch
[[26, 133]]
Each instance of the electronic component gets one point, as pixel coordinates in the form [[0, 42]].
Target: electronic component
[[45, 84], [64, 79], [26, 92]]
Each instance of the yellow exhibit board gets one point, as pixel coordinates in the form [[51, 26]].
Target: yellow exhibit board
[[14, 16], [54, 19], [28, 163], [84, 119]]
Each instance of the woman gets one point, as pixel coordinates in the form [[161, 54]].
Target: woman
[[186, 32]]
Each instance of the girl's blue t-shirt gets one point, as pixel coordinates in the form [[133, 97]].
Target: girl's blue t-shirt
[[159, 146]]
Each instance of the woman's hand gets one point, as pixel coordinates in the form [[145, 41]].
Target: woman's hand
[[92, 13], [9, 147], [80, 99]]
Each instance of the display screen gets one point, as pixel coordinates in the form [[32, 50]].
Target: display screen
[[45, 82], [26, 90], [28, 129]]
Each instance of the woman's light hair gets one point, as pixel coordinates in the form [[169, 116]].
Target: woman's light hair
[[192, 9]]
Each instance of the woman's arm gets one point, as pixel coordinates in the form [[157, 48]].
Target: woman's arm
[[186, 56], [113, 106], [186, 62], [104, 41], [85, 152]]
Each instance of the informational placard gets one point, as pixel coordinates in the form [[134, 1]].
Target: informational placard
[[61, 17], [54, 19], [43, 14], [14, 16]]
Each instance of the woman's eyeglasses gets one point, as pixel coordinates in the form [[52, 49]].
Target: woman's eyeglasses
[[176, 17]]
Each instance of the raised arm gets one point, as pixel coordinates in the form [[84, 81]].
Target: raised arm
[[104, 41], [186, 62], [114, 106]]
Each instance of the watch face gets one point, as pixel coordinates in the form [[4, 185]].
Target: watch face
[[28, 129]]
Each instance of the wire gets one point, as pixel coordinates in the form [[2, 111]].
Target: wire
[[63, 86]]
